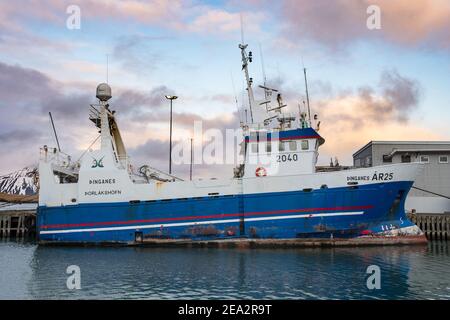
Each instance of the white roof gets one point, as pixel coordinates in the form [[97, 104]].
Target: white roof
[[402, 143]]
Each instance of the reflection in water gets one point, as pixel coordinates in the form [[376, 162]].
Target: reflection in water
[[178, 273]]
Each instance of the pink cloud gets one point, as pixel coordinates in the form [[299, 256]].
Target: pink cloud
[[224, 22], [173, 14], [350, 120], [337, 23], [417, 21], [342, 140]]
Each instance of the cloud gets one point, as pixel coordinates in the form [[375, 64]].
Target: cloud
[[342, 140], [153, 152], [18, 136], [349, 118], [224, 98], [16, 35], [16, 81], [152, 99], [27, 95], [159, 12], [139, 53], [54, 11], [26, 91], [336, 24], [394, 98], [402, 93], [219, 21], [352, 118], [176, 15]]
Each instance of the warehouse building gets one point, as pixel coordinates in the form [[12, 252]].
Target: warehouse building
[[431, 190]]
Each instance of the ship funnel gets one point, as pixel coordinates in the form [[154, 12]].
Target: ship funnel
[[103, 92]]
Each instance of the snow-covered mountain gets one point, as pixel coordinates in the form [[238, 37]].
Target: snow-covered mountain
[[19, 182]]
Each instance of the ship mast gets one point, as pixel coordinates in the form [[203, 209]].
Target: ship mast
[[105, 121], [104, 94], [245, 61]]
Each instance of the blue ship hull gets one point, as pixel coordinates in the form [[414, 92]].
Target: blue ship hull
[[345, 212]]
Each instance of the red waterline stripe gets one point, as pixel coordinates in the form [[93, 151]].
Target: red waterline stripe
[[108, 223]]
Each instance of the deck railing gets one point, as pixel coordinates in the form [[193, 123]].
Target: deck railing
[[54, 155]]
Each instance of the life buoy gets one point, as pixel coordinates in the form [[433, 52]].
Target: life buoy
[[261, 172]]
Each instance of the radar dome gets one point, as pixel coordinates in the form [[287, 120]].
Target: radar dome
[[104, 92]]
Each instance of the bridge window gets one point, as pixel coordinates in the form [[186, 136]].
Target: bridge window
[[293, 145], [268, 146], [254, 147], [281, 146], [305, 145]]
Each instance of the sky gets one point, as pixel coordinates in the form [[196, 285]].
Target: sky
[[388, 83]]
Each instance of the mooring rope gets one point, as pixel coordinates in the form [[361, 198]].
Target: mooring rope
[[431, 192]]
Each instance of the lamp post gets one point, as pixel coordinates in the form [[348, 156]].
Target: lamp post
[[171, 98]]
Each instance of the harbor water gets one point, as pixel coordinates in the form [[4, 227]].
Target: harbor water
[[29, 271]]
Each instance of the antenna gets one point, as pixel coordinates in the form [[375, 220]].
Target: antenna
[[54, 131], [262, 65], [107, 68], [307, 96], [263, 70], [235, 96], [242, 28]]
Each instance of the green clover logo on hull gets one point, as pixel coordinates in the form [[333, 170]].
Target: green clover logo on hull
[[97, 163]]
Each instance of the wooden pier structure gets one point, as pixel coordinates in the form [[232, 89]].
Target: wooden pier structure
[[17, 224], [17, 221], [435, 226]]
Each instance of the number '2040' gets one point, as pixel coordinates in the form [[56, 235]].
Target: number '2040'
[[287, 157]]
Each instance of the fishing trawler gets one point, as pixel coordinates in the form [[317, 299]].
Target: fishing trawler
[[275, 193]]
